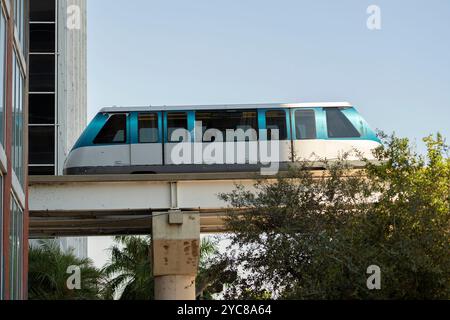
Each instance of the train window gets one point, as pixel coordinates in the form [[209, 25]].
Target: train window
[[222, 121], [339, 126], [305, 124], [114, 131], [176, 121], [148, 128], [276, 119]]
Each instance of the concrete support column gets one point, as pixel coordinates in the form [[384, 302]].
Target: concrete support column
[[176, 250]]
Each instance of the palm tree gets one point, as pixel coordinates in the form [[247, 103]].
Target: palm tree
[[130, 270], [48, 274]]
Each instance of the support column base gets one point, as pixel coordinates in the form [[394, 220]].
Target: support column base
[[175, 287]]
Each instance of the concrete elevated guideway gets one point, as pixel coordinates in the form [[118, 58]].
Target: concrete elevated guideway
[[108, 205], [124, 204], [173, 208]]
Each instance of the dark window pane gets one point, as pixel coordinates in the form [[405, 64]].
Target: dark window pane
[[41, 108], [276, 119], [114, 131], [42, 145], [2, 76], [42, 10], [339, 126], [42, 73], [175, 121], [148, 128], [42, 38], [1, 224], [246, 120], [305, 124], [41, 171]]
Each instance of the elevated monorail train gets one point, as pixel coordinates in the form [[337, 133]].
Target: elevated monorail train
[[148, 139]]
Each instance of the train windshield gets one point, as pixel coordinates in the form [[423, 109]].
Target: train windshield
[[114, 131], [339, 126]]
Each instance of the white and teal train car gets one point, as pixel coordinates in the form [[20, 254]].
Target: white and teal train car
[[144, 140]]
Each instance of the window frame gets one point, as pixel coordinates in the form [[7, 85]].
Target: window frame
[[32, 152], [2, 275], [47, 80], [18, 105], [16, 244], [40, 18], [3, 48]]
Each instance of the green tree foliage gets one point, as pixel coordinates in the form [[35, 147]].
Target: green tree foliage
[[310, 235], [213, 273], [48, 275], [130, 270]]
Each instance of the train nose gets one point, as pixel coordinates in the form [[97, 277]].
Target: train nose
[[65, 163], [69, 163]]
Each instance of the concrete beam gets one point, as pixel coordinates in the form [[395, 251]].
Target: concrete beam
[[112, 201], [79, 223]]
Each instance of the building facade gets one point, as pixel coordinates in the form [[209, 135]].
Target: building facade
[[57, 89], [13, 149]]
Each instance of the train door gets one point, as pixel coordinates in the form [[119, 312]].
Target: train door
[[277, 119], [308, 144], [178, 128], [228, 137], [146, 145]]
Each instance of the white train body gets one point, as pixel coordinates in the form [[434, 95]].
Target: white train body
[[197, 138]]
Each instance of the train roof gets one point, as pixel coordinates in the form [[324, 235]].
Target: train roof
[[228, 107]]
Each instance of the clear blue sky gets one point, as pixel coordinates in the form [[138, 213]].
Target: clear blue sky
[[145, 52]]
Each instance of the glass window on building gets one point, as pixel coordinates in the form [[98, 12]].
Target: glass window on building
[[19, 19], [44, 170], [276, 120], [41, 109], [2, 74], [305, 124], [18, 128], [42, 145], [148, 128], [42, 10], [42, 38], [16, 251], [42, 86], [1, 237], [42, 73]]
